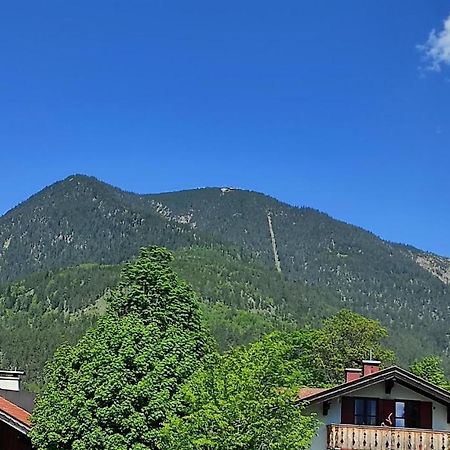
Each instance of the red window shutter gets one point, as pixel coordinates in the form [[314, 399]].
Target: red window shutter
[[426, 415], [348, 410], [387, 412]]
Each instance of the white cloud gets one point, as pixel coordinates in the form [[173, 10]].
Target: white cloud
[[436, 50]]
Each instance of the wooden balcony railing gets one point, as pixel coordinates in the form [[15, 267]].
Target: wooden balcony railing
[[359, 437]]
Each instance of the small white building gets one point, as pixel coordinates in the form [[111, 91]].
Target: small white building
[[380, 409]]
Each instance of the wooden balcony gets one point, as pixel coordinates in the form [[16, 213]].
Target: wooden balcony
[[358, 437]]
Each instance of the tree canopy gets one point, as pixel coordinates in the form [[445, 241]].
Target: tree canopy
[[114, 389], [247, 398], [343, 341], [244, 400], [431, 369], [347, 338]]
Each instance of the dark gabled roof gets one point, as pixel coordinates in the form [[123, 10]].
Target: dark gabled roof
[[393, 373]]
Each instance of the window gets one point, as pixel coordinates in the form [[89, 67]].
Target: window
[[387, 412], [365, 411], [400, 414], [407, 414]]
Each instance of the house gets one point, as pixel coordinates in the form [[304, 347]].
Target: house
[[15, 407], [380, 409]]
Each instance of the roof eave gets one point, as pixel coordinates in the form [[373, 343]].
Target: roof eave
[[14, 423]]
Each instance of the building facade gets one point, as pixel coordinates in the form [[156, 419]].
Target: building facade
[[380, 409]]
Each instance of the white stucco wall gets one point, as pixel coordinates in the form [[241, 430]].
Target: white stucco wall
[[334, 416], [398, 393]]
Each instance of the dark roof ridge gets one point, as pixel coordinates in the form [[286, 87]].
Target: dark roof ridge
[[404, 377], [23, 399]]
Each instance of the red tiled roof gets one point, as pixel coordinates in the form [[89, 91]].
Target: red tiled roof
[[15, 412], [307, 392]]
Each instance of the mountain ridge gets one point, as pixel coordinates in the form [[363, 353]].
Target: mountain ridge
[[183, 213], [83, 220], [79, 177]]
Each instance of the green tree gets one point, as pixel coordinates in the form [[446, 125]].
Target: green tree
[[430, 368], [344, 340], [246, 400], [114, 389]]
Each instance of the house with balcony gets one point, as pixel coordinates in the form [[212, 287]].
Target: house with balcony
[[380, 409]]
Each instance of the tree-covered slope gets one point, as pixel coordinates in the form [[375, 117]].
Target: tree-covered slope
[[82, 220], [241, 302], [47, 308], [406, 289]]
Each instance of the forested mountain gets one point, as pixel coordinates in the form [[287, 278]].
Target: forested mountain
[[231, 244], [81, 220]]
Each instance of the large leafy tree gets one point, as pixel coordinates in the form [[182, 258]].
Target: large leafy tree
[[114, 389], [245, 400], [343, 341]]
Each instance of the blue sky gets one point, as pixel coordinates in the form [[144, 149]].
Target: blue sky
[[327, 104]]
